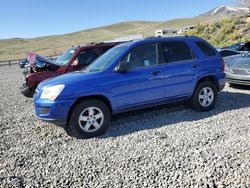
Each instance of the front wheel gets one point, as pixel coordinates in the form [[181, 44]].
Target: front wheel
[[89, 118], [204, 97]]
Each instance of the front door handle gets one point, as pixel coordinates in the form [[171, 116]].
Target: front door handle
[[196, 65], [156, 72]]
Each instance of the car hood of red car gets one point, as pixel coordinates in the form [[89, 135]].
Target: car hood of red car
[[37, 60]]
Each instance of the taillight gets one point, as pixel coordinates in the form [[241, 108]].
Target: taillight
[[222, 65]]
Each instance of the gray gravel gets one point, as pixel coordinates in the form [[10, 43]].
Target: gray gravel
[[160, 147]]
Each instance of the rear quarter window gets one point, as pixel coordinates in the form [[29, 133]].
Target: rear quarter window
[[207, 50]]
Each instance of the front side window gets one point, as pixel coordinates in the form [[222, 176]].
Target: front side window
[[142, 56], [106, 48], [87, 57], [176, 51]]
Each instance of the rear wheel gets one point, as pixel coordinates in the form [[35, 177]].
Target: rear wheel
[[204, 97], [89, 118]]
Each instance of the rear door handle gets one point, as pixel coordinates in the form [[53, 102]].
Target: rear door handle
[[196, 65], [156, 72]]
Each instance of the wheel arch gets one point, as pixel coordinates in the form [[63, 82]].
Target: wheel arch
[[96, 97], [208, 78]]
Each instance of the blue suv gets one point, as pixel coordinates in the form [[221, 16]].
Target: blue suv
[[131, 76]]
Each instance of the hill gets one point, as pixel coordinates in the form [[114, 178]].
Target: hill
[[49, 45], [226, 31], [224, 10]]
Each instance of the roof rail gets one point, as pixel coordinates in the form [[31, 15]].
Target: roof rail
[[166, 36]]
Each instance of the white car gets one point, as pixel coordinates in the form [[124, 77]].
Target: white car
[[230, 56]]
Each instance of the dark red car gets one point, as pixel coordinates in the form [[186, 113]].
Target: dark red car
[[40, 68]]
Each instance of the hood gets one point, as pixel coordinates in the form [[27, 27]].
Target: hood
[[36, 60], [242, 63], [68, 79]]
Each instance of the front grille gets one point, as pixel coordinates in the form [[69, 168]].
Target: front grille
[[238, 81], [240, 72]]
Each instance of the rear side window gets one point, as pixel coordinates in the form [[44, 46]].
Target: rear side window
[[205, 49], [176, 51]]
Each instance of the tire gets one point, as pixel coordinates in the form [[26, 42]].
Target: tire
[[204, 102], [89, 118]]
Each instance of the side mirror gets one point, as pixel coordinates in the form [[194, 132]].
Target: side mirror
[[122, 67], [75, 63]]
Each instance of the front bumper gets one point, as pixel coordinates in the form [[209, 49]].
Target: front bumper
[[52, 111], [238, 79]]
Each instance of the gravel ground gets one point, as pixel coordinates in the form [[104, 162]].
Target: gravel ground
[[160, 147]]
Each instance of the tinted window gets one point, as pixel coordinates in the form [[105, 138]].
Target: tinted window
[[226, 53], [205, 49], [106, 48], [176, 51], [246, 47], [87, 57], [142, 56]]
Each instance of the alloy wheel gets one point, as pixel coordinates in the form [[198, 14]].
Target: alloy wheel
[[206, 97], [91, 119]]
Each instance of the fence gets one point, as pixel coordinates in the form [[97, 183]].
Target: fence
[[16, 61]]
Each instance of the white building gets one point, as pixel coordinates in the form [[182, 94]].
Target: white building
[[183, 31], [165, 32]]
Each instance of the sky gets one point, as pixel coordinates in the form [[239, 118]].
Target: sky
[[34, 18]]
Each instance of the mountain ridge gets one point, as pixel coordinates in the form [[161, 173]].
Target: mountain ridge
[[224, 10]]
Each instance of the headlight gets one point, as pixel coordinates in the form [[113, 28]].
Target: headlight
[[51, 93]]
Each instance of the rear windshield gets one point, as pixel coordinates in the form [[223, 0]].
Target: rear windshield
[[226, 53], [206, 49]]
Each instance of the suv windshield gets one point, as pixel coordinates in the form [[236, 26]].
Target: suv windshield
[[247, 55], [65, 57], [236, 46], [105, 60]]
